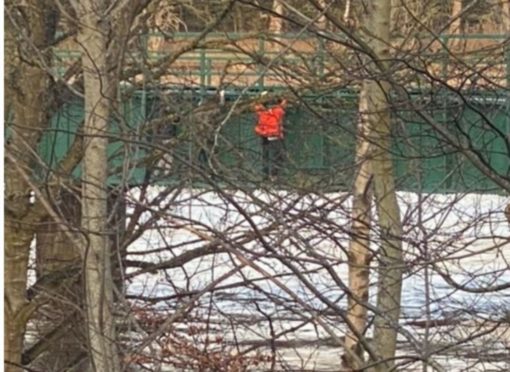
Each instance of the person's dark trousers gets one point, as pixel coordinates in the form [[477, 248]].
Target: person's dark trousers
[[272, 157], [203, 157], [204, 154]]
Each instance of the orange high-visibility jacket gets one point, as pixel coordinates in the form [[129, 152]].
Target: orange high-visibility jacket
[[270, 122]]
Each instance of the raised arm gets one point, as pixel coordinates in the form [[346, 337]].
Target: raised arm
[[257, 107]]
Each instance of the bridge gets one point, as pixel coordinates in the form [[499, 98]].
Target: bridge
[[174, 131]]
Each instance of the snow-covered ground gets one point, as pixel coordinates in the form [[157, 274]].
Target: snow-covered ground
[[275, 249]]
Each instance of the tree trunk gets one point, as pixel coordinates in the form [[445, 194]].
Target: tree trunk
[[17, 244], [347, 11], [390, 256], [59, 322], [99, 95], [276, 21], [27, 102], [456, 23], [374, 147], [359, 253], [505, 14], [390, 251], [322, 22]]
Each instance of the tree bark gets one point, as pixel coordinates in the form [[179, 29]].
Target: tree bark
[[347, 11], [359, 253], [276, 21], [390, 251], [505, 14], [99, 90], [27, 102], [374, 145], [56, 253], [456, 23], [17, 245], [390, 255], [322, 22]]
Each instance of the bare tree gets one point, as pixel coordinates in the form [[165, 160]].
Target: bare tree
[[275, 20], [216, 268], [32, 27], [456, 17], [376, 165], [99, 88], [505, 13], [359, 247], [27, 104], [347, 11], [390, 258]]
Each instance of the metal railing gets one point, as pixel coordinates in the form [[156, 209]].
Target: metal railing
[[259, 59]]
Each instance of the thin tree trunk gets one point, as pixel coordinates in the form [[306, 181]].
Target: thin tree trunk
[[374, 144], [505, 14], [456, 23], [322, 22], [17, 244], [390, 251], [399, 16], [275, 21], [359, 253], [347, 11], [56, 253], [27, 102], [99, 94]]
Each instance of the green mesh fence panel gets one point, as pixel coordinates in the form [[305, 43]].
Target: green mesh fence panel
[[340, 141], [241, 155], [126, 155], [319, 141], [304, 141], [482, 128], [421, 155], [58, 138]]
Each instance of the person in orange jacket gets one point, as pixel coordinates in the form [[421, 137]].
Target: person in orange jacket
[[270, 128]]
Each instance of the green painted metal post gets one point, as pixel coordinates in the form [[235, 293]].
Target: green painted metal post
[[260, 66], [507, 116], [203, 68], [209, 72], [444, 46], [320, 59], [143, 108], [507, 62], [448, 160]]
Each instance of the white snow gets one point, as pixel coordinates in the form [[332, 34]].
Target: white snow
[[464, 236]]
